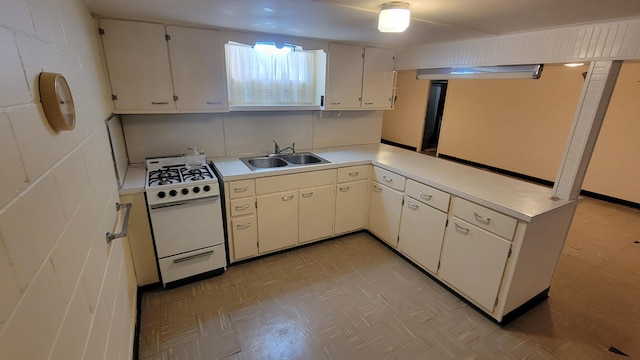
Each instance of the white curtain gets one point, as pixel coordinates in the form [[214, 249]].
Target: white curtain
[[255, 78]]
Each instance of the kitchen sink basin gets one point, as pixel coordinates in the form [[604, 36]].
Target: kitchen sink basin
[[303, 158], [267, 162], [279, 161]]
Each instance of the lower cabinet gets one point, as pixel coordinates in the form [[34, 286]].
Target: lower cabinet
[[473, 262], [351, 206], [384, 212], [421, 233], [317, 207], [245, 236], [140, 240], [278, 220]]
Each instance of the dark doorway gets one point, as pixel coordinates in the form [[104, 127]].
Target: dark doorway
[[433, 118]]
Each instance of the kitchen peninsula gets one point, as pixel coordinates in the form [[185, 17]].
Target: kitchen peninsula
[[497, 245]]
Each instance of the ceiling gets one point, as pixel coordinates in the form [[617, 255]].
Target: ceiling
[[432, 21]]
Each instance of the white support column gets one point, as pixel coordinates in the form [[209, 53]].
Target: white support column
[[594, 100]]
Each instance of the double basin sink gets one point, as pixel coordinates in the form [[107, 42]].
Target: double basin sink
[[279, 161]]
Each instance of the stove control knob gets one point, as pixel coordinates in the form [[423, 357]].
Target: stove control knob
[[196, 189], [173, 193], [162, 194], [185, 191], [206, 188]]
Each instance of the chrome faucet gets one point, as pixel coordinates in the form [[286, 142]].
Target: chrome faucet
[[277, 150]]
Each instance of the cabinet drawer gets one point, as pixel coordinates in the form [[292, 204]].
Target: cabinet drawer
[[192, 263], [484, 218], [242, 188], [389, 178], [428, 195], [245, 236], [242, 206], [353, 173]]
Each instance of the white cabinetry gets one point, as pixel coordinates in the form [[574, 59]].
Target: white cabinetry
[[378, 78], [242, 223], [352, 198], [386, 205], [140, 240], [359, 78], [422, 226], [473, 260], [153, 69], [317, 208], [295, 209], [198, 68], [278, 220], [138, 64]]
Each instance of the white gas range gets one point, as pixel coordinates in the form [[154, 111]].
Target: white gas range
[[186, 217]]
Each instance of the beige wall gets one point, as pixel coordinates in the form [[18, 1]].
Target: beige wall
[[522, 126], [405, 124], [66, 294], [513, 124]]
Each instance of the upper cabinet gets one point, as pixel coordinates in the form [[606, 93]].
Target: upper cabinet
[[197, 65], [360, 78], [138, 64], [156, 69]]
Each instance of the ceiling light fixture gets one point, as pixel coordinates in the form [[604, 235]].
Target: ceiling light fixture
[[482, 72], [394, 16]]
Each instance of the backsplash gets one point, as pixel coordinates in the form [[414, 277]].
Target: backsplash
[[238, 133]]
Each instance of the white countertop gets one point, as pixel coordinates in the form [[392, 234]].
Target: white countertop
[[514, 197]]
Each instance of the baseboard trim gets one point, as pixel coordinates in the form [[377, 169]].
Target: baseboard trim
[[403, 146]]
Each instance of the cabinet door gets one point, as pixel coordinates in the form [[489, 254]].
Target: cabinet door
[[421, 233], [244, 231], [138, 63], [278, 221], [140, 240], [197, 65], [317, 209], [473, 261], [378, 79], [351, 206], [384, 213], [344, 77]]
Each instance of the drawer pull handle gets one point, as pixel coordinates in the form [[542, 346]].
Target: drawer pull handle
[[461, 229], [287, 198], [241, 189], [354, 174], [412, 206], [377, 188], [425, 196], [482, 219], [159, 103], [191, 257], [386, 179], [242, 207], [307, 195], [344, 189], [214, 102], [243, 226]]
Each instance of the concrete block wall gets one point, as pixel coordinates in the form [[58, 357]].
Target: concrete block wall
[[66, 294]]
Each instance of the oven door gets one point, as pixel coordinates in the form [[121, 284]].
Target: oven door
[[188, 225]]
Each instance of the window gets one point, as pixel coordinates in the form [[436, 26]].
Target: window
[[267, 75]]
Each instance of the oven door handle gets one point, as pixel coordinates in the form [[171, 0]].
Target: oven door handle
[[182, 202]]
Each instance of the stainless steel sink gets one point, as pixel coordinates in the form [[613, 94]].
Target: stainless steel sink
[[267, 162], [279, 161], [303, 158]]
